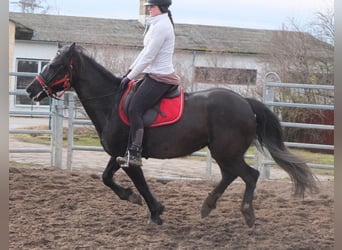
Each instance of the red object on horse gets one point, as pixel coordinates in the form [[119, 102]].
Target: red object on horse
[[170, 109]]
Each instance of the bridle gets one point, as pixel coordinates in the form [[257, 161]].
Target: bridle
[[65, 82]]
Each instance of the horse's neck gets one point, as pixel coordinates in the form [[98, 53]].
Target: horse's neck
[[98, 95], [98, 114]]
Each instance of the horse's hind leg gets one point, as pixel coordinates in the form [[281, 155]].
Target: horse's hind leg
[[230, 171], [250, 177], [210, 202], [155, 207], [123, 193]]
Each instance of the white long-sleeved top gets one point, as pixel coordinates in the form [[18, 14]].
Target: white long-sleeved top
[[156, 56]]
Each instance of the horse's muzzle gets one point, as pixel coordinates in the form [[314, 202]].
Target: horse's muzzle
[[35, 91]]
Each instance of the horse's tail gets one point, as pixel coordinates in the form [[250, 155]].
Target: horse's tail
[[270, 135]]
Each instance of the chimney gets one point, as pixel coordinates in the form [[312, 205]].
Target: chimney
[[143, 13]]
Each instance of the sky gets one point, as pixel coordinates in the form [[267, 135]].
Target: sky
[[258, 14]]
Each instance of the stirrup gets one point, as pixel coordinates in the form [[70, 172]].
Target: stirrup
[[123, 160], [126, 164], [132, 158], [128, 161]]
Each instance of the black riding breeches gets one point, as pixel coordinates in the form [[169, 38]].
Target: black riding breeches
[[147, 95]]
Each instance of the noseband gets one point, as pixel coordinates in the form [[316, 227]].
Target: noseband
[[65, 81]]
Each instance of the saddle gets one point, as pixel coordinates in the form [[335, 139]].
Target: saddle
[[167, 111]]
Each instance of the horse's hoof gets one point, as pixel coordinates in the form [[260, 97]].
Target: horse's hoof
[[135, 199], [156, 219], [161, 209], [155, 216], [248, 213], [205, 211]]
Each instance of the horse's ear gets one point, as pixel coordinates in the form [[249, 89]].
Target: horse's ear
[[71, 50], [72, 47]]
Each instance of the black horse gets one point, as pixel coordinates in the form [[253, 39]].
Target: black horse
[[222, 120]]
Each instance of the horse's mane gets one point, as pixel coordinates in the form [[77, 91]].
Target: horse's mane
[[82, 54]]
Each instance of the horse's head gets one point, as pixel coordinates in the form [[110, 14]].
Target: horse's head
[[55, 77]]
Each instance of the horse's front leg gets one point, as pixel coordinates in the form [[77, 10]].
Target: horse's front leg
[[156, 208], [123, 193]]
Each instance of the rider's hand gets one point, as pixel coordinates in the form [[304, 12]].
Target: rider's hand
[[124, 82]]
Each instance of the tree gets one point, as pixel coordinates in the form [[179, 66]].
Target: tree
[[299, 56], [31, 6], [302, 54], [323, 27]]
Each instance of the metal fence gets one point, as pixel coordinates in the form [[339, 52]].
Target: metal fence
[[54, 117], [269, 100]]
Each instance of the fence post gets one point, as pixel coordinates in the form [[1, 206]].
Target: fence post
[[268, 96], [58, 134], [209, 165], [263, 168], [71, 114]]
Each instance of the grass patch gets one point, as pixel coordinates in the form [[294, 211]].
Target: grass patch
[[318, 158], [83, 136], [14, 164]]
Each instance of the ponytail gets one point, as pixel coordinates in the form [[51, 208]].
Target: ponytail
[[170, 16], [164, 9]]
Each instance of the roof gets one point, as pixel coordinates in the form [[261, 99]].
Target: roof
[[129, 33], [55, 28]]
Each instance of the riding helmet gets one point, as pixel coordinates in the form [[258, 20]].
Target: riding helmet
[[162, 3]]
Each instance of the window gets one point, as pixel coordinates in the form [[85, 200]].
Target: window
[[28, 66]]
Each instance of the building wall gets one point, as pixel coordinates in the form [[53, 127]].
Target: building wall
[[27, 50], [11, 43], [118, 60], [34, 50], [186, 61]]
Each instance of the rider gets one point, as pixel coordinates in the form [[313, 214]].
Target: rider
[[155, 61]]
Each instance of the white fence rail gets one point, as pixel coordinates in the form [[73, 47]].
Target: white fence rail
[[268, 99], [54, 117]]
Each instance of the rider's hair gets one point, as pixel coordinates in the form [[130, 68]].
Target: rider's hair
[[171, 19]]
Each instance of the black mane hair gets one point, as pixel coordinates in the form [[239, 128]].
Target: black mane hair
[[82, 54]]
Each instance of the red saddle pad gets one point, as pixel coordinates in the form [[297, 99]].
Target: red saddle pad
[[171, 109]]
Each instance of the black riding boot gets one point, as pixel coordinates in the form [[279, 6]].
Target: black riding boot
[[132, 157]]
